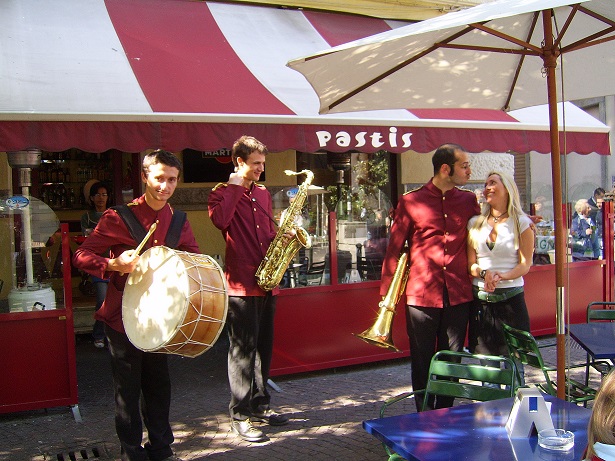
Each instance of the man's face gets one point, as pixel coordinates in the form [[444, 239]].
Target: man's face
[[461, 169], [253, 167], [100, 199], [160, 181]]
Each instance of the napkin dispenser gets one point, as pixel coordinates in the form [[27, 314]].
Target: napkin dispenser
[[530, 413]]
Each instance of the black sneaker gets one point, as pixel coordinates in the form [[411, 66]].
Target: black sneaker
[[245, 430], [270, 417]]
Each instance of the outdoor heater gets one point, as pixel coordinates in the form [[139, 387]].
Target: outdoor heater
[[31, 295]]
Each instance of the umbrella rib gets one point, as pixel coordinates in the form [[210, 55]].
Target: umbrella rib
[[596, 15], [399, 66], [491, 49], [590, 41], [558, 40], [520, 65], [509, 38]]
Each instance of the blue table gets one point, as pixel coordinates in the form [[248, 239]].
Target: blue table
[[597, 338], [475, 432]]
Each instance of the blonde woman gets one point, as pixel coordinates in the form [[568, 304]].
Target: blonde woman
[[601, 429], [500, 250], [586, 245]]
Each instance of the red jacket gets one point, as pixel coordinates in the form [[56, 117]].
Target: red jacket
[[434, 226], [245, 218], [111, 233]]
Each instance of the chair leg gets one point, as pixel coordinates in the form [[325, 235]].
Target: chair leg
[[392, 455]]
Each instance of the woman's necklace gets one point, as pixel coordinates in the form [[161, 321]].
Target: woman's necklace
[[496, 219]]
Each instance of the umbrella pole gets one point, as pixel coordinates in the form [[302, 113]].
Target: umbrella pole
[[561, 253]]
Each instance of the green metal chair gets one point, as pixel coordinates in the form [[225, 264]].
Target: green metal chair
[[523, 348], [599, 311], [459, 374], [606, 312]]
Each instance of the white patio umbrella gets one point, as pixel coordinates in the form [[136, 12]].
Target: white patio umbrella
[[506, 54]]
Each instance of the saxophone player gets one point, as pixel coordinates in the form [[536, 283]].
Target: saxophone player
[[241, 208]]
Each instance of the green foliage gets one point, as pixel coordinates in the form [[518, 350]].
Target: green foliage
[[371, 173]]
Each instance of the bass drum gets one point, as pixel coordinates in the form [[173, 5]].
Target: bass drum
[[175, 302]]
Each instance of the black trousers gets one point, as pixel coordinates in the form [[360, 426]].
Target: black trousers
[[100, 287], [485, 334], [142, 388], [250, 330], [432, 329]]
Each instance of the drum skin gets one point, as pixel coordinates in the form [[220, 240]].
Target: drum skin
[[174, 302]]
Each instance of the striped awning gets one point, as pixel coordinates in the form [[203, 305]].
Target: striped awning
[[407, 10], [175, 74]]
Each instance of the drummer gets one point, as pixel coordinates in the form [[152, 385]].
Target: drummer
[[135, 372]]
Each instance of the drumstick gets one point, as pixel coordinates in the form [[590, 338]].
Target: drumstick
[[151, 230]]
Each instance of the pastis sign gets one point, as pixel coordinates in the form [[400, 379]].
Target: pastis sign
[[375, 139]]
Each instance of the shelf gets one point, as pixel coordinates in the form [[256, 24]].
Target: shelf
[[61, 182]]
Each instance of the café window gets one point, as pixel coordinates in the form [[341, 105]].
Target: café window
[[357, 187]]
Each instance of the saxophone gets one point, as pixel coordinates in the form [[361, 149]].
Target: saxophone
[[280, 253]]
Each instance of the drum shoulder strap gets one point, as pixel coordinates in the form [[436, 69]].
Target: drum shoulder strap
[[138, 232], [136, 229], [175, 228]]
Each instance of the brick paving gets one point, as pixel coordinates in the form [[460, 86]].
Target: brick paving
[[326, 410]]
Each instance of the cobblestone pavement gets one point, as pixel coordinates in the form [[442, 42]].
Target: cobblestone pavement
[[326, 410]]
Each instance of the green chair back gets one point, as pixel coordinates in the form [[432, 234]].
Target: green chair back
[[463, 375], [523, 348], [600, 311]]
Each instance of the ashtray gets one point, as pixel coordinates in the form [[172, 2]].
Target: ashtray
[[556, 439]]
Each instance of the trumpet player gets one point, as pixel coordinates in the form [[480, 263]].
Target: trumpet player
[[241, 208], [432, 220]]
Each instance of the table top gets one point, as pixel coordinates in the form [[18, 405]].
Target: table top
[[475, 431], [597, 338]]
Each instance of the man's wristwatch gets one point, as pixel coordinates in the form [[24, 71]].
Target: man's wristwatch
[[482, 274]]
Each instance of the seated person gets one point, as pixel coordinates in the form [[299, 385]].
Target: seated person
[[375, 246], [601, 429]]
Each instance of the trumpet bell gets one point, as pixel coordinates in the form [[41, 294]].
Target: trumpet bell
[[375, 339], [381, 332]]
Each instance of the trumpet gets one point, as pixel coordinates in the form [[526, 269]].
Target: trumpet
[[381, 332]]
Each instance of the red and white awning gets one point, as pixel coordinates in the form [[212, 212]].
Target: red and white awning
[[138, 74]]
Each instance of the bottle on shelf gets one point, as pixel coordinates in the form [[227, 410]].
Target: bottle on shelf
[[62, 196], [72, 199]]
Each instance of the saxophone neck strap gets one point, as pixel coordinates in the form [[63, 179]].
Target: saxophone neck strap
[[253, 200]]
